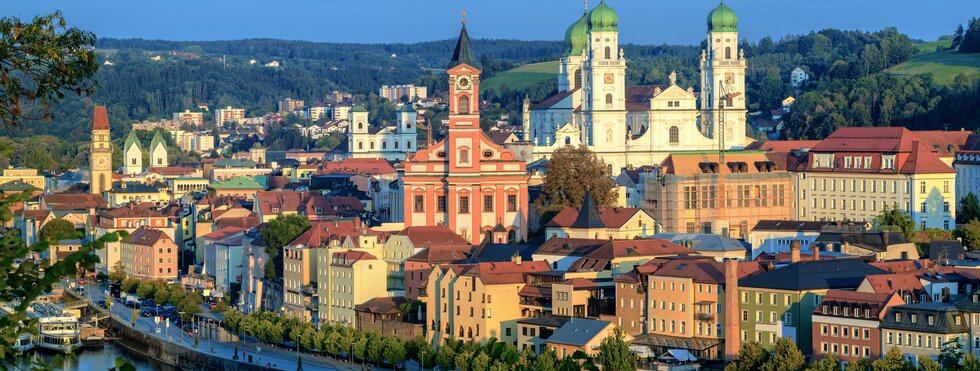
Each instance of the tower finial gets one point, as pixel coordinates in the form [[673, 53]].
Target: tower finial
[[586, 6], [462, 13]]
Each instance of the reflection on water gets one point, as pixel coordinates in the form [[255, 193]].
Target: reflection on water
[[95, 360]]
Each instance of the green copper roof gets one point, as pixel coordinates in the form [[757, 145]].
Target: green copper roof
[[131, 139], [577, 36], [722, 19], [157, 139], [358, 108], [406, 108], [603, 18], [463, 52], [241, 182], [17, 186]]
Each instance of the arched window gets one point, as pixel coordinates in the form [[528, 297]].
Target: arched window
[[728, 52], [487, 236], [675, 135], [396, 144], [360, 125], [360, 145], [568, 140], [371, 144], [463, 108], [608, 53], [408, 144], [578, 78], [608, 100], [384, 144], [464, 156], [512, 236]]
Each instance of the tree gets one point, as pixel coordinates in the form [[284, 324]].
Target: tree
[[829, 363], [969, 209], [862, 364], [446, 358], [957, 37], [56, 230], [547, 361], [971, 38], [786, 356], [892, 361], [970, 233], [279, 232], [751, 357], [481, 362], [41, 61], [927, 364], [895, 219], [394, 350], [118, 274], [951, 355], [970, 362], [572, 171], [615, 354]]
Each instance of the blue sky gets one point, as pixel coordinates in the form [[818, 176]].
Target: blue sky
[[641, 21]]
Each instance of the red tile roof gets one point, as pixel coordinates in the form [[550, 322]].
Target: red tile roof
[[946, 143], [704, 270], [306, 203], [368, 166], [913, 154], [600, 258], [321, 234], [553, 99], [497, 273], [100, 120], [638, 97], [348, 258], [903, 266], [223, 232], [171, 170], [433, 236], [781, 145], [579, 283], [443, 254], [612, 217], [857, 301], [74, 201], [247, 222], [132, 211], [564, 246], [147, 237], [889, 283]]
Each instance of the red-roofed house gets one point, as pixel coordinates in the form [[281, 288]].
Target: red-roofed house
[[856, 172], [127, 218], [270, 204], [602, 222], [847, 324], [149, 254]]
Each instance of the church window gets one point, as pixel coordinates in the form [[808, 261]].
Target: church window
[[609, 136], [578, 78], [464, 156], [568, 140], [419, 203], [463, 108], [133, 161], [360, 145], [360, 125], [608, 53], [371, 144], [408, 144], [384, 144], [487, 203], [441, 204], [674, 135], [728, 52], [464, 204], [487, 154], [511, 202], [609, 100], [396, 144]]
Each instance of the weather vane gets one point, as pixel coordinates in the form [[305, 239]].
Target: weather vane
[[463, 13]]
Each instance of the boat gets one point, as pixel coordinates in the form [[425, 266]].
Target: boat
[[24, 343], [92, 337], [58, 333]]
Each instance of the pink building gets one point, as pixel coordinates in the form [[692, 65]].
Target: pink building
[[150, 254]]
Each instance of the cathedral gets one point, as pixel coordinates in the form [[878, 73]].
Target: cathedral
[[389, 142], [639, 125], [133, 153]]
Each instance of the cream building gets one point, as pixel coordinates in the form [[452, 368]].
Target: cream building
[[25, 175], [855, 173], [381, 141], [628, 125], [228, 114]]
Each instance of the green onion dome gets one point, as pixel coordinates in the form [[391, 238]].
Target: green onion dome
[[722, 19], [577, 36], [603, 18]]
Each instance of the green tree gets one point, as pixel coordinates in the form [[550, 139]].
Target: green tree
[[892, 361], [547, 361], [970, 362], [970, 234], [829, 363], [751, 357], [279, 232], [394, 350], [481, 362], [969, 209], [927, 364], [56, 230], [786, 356], [614, 353], [572, 171], [42, 60], [446, 358], [951, 355], [895, 219], [118, 274], [862, 364]]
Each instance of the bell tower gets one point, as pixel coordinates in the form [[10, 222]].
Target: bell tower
[[100, 153], [723, 80], [606, 85]]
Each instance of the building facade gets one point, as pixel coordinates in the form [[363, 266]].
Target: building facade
[[100, 155], [382, 141], [228, 114]]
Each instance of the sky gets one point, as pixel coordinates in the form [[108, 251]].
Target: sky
[[375, 21]]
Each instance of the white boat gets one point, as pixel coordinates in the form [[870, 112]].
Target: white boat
[[58, 333], [24, 343]]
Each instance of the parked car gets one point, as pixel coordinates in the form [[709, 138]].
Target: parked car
[[81, 281]]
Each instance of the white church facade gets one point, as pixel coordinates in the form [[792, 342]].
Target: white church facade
[[639, 125], [389, 142]]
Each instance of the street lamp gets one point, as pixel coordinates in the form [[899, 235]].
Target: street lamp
[[422, 360]]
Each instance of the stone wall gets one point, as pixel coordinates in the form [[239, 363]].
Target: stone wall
[[403, 330], [170, 353]]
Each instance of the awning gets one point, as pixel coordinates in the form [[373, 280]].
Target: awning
[[680, 355], [642, 351]]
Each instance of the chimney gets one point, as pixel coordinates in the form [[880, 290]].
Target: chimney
[[732, 310], [815, 249], [516, 258], [794, 251]]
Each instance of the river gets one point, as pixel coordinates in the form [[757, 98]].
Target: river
[[95, 360]]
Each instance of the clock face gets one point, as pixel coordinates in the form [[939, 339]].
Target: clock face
[[608, 78], [730, 77], [101, 162], [463, 83]]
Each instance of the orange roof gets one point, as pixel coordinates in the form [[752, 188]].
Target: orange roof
[[900, 266], [348, 258], [223, 232], [132, 210], [100, 120], [704, 270], [946, 143], [496, 273], [781, 145], [612, 217], [368, 166], [145, 236], [433, 236], [889, 283], [322, 233], [686, 164]]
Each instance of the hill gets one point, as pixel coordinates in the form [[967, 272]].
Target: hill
[[521, 77], [943, 66]]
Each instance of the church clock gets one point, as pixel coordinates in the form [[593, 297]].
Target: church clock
[[463, 83]]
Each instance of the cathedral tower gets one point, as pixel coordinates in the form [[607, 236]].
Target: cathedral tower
[[606, 74], [100, 153], [133, 155], [723, 80], [158, 151]]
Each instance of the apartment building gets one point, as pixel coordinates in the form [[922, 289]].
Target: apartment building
[[194, 118], [228, 114], [149, 254], [847, 324]]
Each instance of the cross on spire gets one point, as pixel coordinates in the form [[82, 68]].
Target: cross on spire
[[586, 5], [462, 13]]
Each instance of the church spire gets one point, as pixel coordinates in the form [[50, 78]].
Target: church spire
[[463, 53]]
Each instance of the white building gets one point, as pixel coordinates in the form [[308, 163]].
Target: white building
[[390, 142], [639, 125], [396, 92], [228, 114], [798, 77]]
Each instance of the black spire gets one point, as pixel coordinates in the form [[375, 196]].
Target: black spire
[[588, 214], [463, 52]]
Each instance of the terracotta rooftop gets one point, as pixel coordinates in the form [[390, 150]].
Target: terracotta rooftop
[[496, 273], [147, 237], [856, 301], [442, 254], [894, 282], [100, 119], [132, 210], [704, 270], [321, 234], [358, 166], [433, 236], [348, 258], [223, 232], [384, 305], [74, 201], [565, 246], [687, 164]]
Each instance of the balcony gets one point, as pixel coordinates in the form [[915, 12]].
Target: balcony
[[704, 316]]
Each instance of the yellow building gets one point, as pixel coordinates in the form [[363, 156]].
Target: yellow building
[[126, 192], [600, 223], [855, 173], [22, 174], [356, 277], [477, 301]]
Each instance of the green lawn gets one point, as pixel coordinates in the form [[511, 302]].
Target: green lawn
[[520, 77], [943, 66], [932, 46]]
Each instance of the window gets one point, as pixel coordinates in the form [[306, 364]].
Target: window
[[609, 100], [511, 202], [371, 144], [728, 52], [608, 53], [464, 156], [441, 203], [419, 203], [674, 135], [463, 105], [922, 187], [946, 206], [464, 204], [487, 203]]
